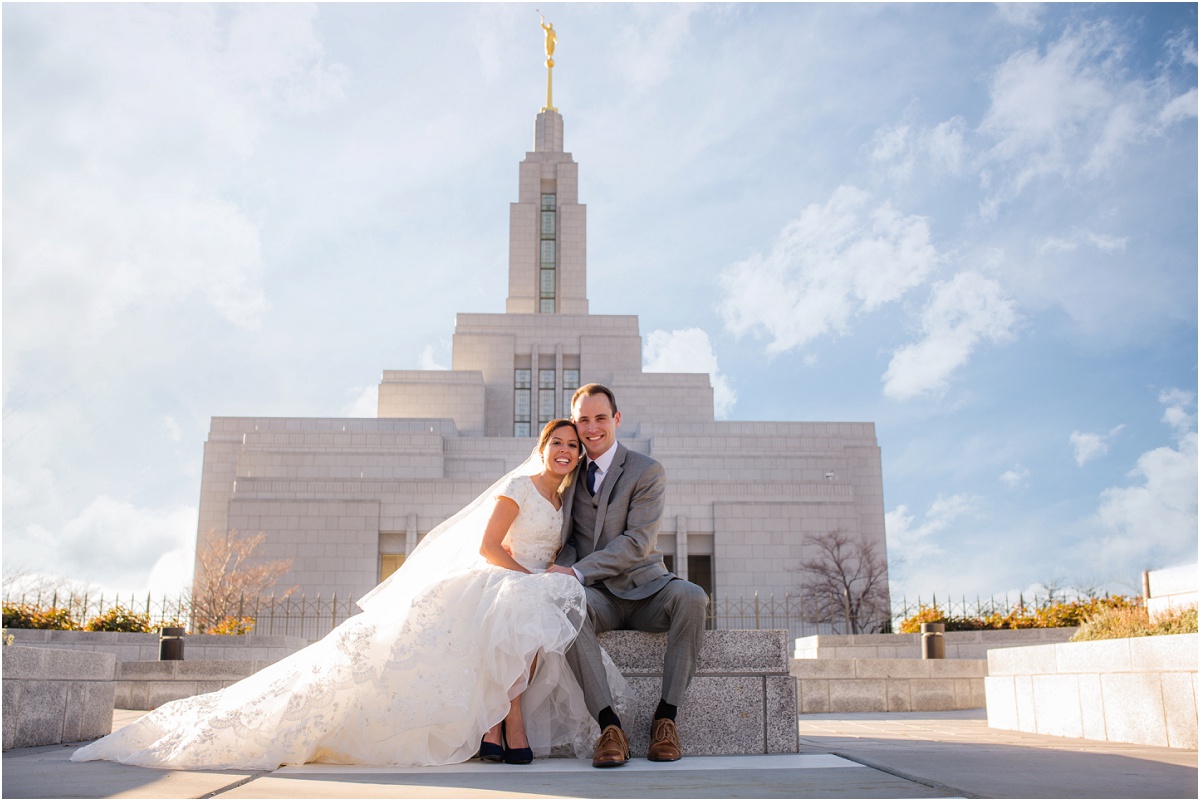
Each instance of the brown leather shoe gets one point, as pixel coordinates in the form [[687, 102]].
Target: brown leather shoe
[[612, 749], [664, 741]]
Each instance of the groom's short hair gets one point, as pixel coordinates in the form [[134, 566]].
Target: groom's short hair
[[594, 389]]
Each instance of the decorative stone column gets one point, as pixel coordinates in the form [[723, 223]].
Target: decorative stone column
[[681, 547], [410, 536]]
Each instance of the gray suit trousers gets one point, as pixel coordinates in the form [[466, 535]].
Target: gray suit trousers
[[679, 609]]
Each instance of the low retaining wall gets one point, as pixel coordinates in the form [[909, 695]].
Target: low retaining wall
[[959, 644], [1139, 690], [149, 685], [889, 685], [55, 696], [137, 647]]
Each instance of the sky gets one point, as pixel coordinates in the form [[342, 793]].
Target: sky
[[972, 225]]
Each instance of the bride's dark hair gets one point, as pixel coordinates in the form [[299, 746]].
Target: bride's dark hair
[[544, 438]]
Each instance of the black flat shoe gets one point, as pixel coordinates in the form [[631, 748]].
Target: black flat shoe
[[490, 752], [518, 756]]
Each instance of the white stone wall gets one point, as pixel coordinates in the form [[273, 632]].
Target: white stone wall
[[1171, 588], [1139, 690]]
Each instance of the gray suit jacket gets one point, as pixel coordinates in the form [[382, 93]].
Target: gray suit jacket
[[622, 548]]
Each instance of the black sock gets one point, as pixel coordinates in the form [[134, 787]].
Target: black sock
[[608, 718], [665, 710]]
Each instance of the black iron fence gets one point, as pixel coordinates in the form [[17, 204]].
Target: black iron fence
[[313, 618]]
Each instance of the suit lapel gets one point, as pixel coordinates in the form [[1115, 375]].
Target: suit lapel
[[606, 489]]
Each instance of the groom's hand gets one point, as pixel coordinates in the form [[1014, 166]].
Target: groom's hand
[[566, 571]]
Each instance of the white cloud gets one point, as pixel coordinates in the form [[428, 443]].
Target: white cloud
[[119, 547], [909, 543], [961, 313], [173, 429], [647, 47], [689, 351], [119, 207], [1176, 415], [1089, 446], [1024, 15], [1179, 108], [428, 360], [1070, 110], [851, 255], [1105, 243], [899, 149], [893, 150], [364, 402], [1153, 524], [1155, 521], [1016, 477]]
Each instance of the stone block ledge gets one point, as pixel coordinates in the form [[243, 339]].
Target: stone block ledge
[[143, 647], [53, 696], [888, 685], [1139, 690], [959, 644]]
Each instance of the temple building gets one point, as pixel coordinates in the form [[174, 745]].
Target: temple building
[[346, 499]]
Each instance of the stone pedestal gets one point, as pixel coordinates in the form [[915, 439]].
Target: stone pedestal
[[741, 701], [53, 696]]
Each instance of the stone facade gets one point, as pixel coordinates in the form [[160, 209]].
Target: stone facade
[[345, 499]]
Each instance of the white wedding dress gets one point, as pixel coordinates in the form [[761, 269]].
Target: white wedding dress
[[413, 681]]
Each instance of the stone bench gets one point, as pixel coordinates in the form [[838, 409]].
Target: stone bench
[[53, 696], [889, 685], [741, 700]]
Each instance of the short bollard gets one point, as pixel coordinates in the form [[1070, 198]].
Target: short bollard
[[933, 644], [170, 644]]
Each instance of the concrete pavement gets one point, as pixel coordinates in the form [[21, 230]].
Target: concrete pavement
[[865, 755]]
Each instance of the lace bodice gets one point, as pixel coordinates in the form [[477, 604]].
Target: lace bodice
[[536, 534]]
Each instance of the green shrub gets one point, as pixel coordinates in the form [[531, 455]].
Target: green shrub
[[17, 616], [232, 625], [1055, 615], [23, 616], [1112, 624], [118, 618]]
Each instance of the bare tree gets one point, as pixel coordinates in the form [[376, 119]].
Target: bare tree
[[228, 577], [36, 586], [845, 580]]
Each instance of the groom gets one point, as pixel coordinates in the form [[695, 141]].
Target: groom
[[610, 529]]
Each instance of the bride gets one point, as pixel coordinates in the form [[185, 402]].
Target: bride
[[465, 642]]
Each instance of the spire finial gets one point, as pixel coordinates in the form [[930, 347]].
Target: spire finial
[[551, 40]]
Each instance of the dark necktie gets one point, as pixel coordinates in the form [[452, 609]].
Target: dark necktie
[[591, 485]]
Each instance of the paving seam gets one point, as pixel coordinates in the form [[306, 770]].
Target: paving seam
[[908, 777], [232, 786]]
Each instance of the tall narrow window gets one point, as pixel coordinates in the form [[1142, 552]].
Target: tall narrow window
[[549, 264], [522, 379], [545, 397], [570, 384]]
